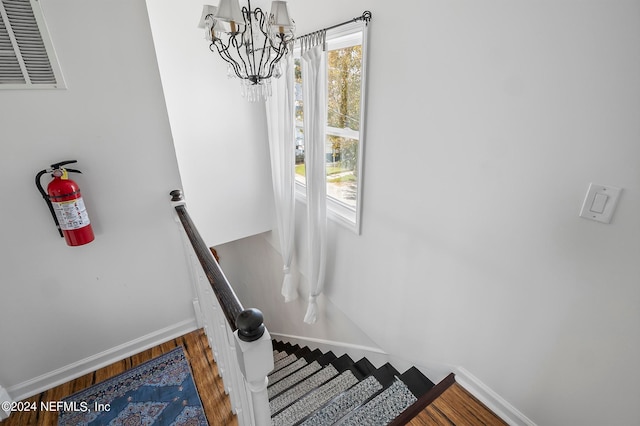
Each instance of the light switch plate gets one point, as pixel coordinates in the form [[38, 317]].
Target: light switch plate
[[600, 202]]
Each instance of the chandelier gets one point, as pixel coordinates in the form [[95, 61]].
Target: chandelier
[[251, 42]]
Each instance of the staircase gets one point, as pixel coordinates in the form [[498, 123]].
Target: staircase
[[305, 387], [312, 388]]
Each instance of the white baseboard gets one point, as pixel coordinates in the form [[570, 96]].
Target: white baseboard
[[492, 400], [4, 397], [72, 371]]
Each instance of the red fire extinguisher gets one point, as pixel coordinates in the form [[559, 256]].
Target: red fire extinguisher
[[66, 204]]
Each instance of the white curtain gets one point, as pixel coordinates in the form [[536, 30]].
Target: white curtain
[[314, 95], [280, 120]]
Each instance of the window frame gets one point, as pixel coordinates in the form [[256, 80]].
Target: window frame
[[337, 210]]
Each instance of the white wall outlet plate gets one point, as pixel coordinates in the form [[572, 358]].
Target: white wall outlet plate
[[600, 202]]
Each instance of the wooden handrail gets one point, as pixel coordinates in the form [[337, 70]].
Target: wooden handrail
[[244, 349], [227, 298]]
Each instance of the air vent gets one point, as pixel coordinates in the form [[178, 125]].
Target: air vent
[[26, 53]]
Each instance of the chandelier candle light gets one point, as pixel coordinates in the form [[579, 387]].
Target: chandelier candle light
[[251, 42]]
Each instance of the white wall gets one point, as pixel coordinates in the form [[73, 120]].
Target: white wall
[[64, 305], [486, 123], [220, 138], [254, 268]]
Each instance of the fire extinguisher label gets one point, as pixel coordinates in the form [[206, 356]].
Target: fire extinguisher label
[[71, 214]]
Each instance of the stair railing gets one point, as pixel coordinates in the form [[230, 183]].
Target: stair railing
[[240, 342]]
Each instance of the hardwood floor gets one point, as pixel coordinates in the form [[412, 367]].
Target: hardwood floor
[[205, 373], [456, 407]]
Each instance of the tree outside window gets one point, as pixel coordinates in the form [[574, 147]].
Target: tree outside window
[[344, 85]]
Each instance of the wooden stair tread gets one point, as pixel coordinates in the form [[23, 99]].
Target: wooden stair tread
[[363, 368], [457, 407], [417, 382], [386, 374], [342, 363]]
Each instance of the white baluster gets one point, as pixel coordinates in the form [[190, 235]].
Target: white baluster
[[244, 415]]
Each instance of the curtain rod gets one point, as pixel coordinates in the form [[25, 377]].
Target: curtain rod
[[366, 17]]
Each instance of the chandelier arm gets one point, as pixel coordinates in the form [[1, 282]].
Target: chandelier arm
[[266, 46], [280, 52], [250, 48], [238, 46], [223, 51]]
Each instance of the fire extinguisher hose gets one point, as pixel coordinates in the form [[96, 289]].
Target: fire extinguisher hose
[[46, 198]]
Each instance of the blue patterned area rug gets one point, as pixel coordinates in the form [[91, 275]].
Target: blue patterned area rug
[[158, 392]]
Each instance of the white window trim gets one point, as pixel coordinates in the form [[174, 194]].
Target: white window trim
[[48, 44], [347, 216]]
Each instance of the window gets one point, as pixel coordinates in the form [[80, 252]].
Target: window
[[26, 53], [346, 59]]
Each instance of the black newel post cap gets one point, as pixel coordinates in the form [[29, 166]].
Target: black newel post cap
[[250, 326], [176, 195]]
